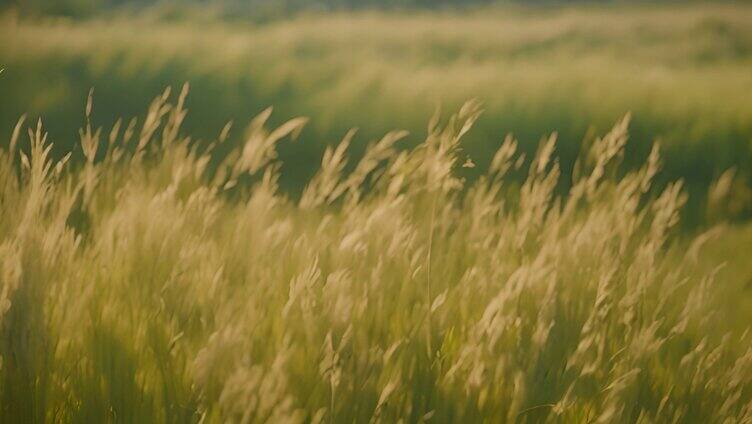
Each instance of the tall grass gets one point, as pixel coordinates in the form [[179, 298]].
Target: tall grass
[[162, 281]]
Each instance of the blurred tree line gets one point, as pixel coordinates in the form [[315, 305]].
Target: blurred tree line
[[249, 9], [237, 8]]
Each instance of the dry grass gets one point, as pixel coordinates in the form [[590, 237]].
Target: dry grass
[[162, 282]]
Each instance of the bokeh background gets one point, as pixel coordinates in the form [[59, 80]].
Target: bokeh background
[[683, 70]]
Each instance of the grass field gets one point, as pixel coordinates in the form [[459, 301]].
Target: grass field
[[145, 285], [683, 72], [173, 268]]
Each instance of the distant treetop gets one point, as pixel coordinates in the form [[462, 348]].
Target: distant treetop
[[237, 8]]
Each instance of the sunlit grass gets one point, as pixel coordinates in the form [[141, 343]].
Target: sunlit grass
[[162, 280]]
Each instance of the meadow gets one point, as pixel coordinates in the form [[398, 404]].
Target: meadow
[[146, 285], [681, 70], [521, 257]]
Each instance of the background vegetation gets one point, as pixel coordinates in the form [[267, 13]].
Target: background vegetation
[[245, 9], [683, 72]]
